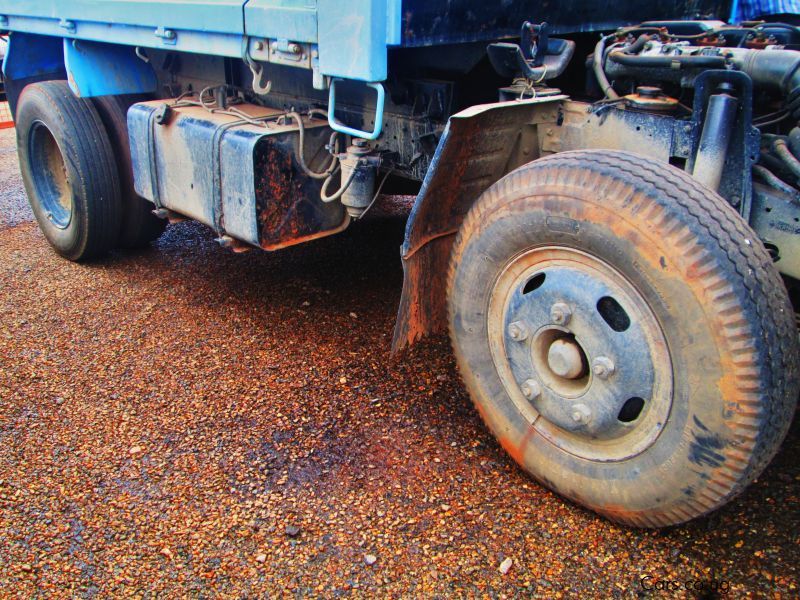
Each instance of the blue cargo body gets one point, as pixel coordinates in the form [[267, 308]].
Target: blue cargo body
[[352, 38]]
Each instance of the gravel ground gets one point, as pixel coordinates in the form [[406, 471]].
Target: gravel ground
[[14, 207], [186, 421]]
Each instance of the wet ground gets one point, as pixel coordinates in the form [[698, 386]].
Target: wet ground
[[187, 421]]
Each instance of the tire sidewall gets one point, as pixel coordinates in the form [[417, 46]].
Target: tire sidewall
[[34, 110]]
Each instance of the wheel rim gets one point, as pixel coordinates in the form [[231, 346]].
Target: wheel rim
[[49, 174], [580, 353]]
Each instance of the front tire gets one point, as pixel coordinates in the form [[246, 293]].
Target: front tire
[[624, 334], [68, 169]]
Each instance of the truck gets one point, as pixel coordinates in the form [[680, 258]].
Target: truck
[[606, 197]]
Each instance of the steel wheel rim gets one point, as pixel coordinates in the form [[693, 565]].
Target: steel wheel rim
[[605, 393], [50, 178]]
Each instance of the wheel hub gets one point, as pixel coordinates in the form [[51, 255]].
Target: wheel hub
[[51, 180], [580, 335], [566, 358]]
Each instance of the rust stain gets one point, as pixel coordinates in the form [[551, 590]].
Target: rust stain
[[517, 451], [289, 209]]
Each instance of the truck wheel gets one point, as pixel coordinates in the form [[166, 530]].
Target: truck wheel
[[139, 225], [68, 170], [623, 333]]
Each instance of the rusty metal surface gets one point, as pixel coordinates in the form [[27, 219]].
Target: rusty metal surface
[[478, 147], [654, 135], [775, 216], [288, 207]]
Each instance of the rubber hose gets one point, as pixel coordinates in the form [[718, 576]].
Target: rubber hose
[[774, 181], [785, 154], [599, 72], [778, 69]]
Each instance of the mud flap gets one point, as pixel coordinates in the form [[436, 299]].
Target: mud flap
[[478, 147]]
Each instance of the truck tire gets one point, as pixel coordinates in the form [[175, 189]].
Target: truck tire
[[624, 334], [139, 225], [68, 169]]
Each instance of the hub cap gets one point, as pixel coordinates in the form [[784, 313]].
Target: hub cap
[[50, 178], [569, 326]]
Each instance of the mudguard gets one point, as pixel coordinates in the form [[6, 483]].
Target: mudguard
[[478, 147]]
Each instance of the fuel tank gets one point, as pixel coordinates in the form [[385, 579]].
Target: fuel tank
[[237, 172]]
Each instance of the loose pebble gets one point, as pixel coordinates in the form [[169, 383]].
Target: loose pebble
[[505, 566], [292, 530]]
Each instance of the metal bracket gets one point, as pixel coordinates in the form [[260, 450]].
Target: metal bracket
[[380, 103], [68, 25], [293, 54], [168, 36]]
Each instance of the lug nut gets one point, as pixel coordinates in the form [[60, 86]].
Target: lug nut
[[531, 389], [603, 367], [560, 313], [581, 414], [518, 331]]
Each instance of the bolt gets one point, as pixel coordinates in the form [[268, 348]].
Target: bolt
[[603, 367], [581, 414], [560, 313], [531, 389], [518, 331]]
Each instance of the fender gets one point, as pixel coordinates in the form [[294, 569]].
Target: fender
[[479, 146], [31, 58], [92, 68]]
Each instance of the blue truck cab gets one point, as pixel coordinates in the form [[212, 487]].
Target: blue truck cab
[[604, 197]]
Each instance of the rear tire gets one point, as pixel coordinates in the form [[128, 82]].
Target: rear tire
[[624, 334], [68, 169], [139, 225]]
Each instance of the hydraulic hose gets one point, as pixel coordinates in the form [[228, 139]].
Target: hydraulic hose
[[301, 152], [781, 148], [774, 181], [599, 70], [638, 45]]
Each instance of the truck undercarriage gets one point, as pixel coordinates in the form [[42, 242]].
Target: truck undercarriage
[[600, 219]]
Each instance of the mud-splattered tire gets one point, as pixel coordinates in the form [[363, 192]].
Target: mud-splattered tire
[[624, 335], [139, 226], [68, 169]]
